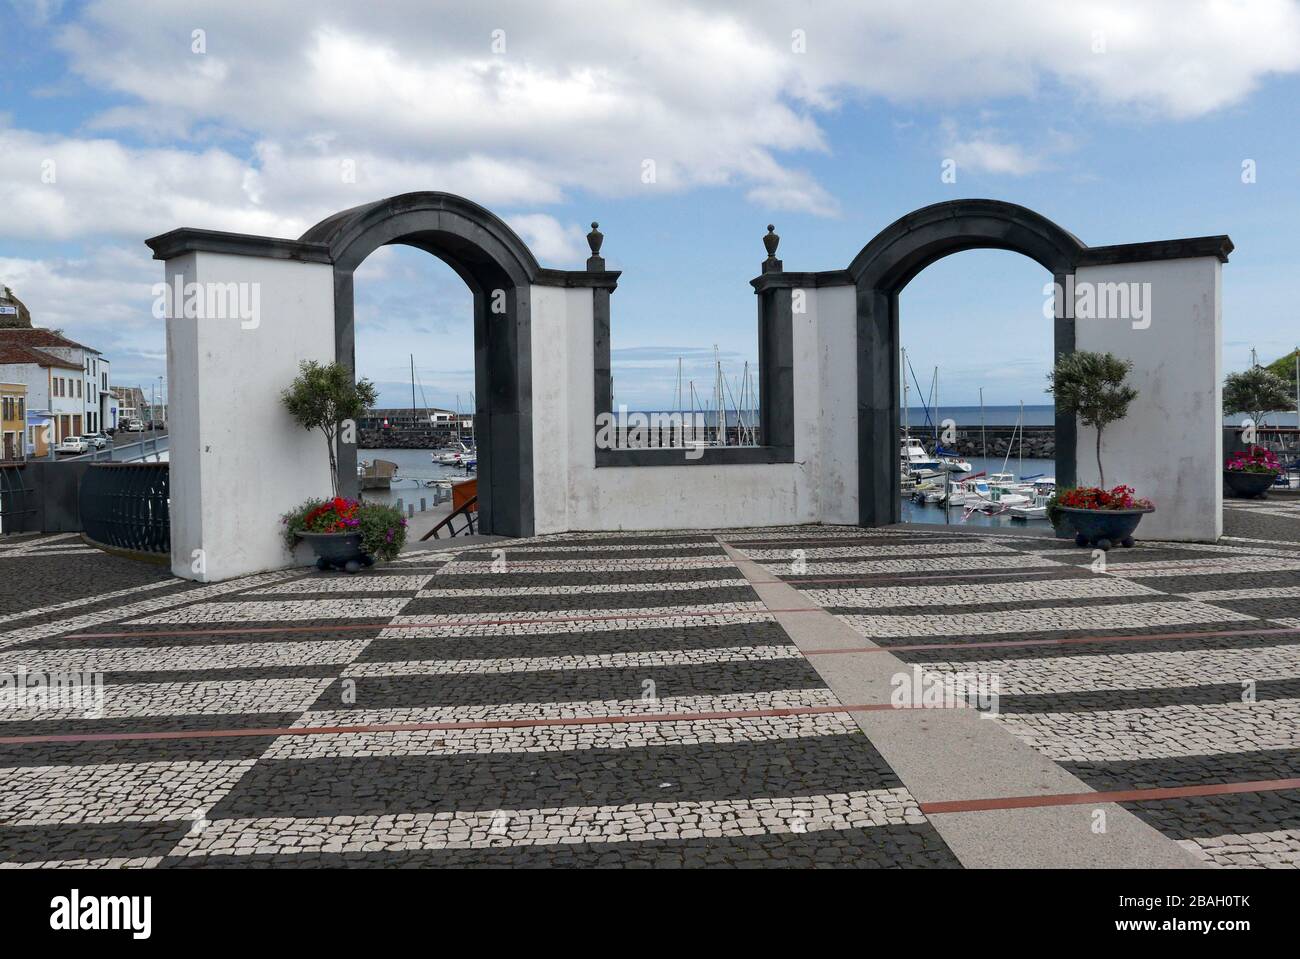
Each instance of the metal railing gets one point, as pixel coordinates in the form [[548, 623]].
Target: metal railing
[[17, 504], [468, 511], [125, 506]]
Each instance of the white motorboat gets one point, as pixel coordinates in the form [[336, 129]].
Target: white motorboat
[[1035, 510], [453, 455], [983, 494], [915, 457]]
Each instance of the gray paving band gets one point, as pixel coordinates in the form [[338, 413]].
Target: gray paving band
[[954, 754], [374, 785]]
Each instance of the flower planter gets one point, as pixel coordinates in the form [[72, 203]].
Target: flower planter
[[338, 551], [1103, 528], [1247, 484]]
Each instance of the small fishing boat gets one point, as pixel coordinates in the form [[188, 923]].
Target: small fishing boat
[[1037, 509]]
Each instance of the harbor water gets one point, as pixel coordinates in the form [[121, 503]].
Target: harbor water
[[415, 477], [933, 514]]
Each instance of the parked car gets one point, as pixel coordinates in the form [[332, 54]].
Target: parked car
[[73, 444], [97, 440], [134, 426]]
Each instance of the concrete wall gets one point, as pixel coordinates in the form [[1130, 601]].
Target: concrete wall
[[1170, 446], [238, 461], [571, 493]]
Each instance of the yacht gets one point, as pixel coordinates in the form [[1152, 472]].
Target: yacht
[[915, 457], [455, 455]]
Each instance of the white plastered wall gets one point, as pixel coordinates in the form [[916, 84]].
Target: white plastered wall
[[1169, 447], [570, 493], [238, 461]]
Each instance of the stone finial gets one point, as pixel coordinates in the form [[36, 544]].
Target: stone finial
[[771, 241], [594, 239]]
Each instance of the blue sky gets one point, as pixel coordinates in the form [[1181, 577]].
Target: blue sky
[[1121, 122]]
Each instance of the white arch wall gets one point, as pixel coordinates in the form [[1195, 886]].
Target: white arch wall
[[571, 493], [238, 461], [1170, 446]]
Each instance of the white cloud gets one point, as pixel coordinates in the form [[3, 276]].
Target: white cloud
[[989, 150], [550, 240], [715, 97]]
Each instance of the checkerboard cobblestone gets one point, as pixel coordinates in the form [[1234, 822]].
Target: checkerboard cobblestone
[[628, 699]]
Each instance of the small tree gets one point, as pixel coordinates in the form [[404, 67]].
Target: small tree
[[324, 398], [1255, 392], [1091, 386]]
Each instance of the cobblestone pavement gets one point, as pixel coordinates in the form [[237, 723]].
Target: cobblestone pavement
[[1172, 667], [627, 699]]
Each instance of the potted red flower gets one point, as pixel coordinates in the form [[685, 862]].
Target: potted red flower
[[345, 533], [1100, 517], [1092, 387], [1249, 473]]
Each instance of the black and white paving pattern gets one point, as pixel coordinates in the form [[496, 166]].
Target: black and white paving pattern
[[637, 699]]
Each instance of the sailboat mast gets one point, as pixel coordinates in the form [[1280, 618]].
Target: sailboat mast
[[415, 419], [1022, 438], [984, 441]]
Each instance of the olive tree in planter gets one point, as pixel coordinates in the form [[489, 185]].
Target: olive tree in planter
[[345, 533], [1092, 387]]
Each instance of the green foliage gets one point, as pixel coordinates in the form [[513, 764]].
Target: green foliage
[[324, 397], [1255, 391], [1284, 368], [383, 530], [295, 521], [1054, 513], [1091, 386]]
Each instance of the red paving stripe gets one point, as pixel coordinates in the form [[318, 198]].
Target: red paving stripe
[[1017, 574], [467, 724], [341, 627], [1115, 796], [1061, 641]]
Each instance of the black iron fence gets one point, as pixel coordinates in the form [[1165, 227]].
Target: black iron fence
[[18, 508], [124, 506]]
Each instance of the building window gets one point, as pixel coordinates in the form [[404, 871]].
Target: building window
[[78, 389]]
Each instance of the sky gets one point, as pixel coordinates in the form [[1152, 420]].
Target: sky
[[1121, 121]]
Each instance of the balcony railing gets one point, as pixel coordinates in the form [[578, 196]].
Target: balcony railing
[[125, 506]]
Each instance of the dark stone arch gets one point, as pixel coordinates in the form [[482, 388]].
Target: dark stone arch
[[884, 267], [499, 270]]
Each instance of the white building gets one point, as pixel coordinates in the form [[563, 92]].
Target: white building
[[54, 389], [89, 390]]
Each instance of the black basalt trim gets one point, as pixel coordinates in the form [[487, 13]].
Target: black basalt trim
[[1216, 246], [713, 456], [572, 279], [800, 281], [187, 240]]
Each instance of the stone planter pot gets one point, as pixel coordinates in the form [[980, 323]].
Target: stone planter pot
[[1103, 528], [1247, 485], [338, 551]]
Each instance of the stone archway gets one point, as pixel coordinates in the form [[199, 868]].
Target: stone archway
[[499, 269], [884, 267]]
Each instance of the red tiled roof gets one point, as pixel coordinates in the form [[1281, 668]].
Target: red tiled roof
[[39, 337], [17, 353]]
